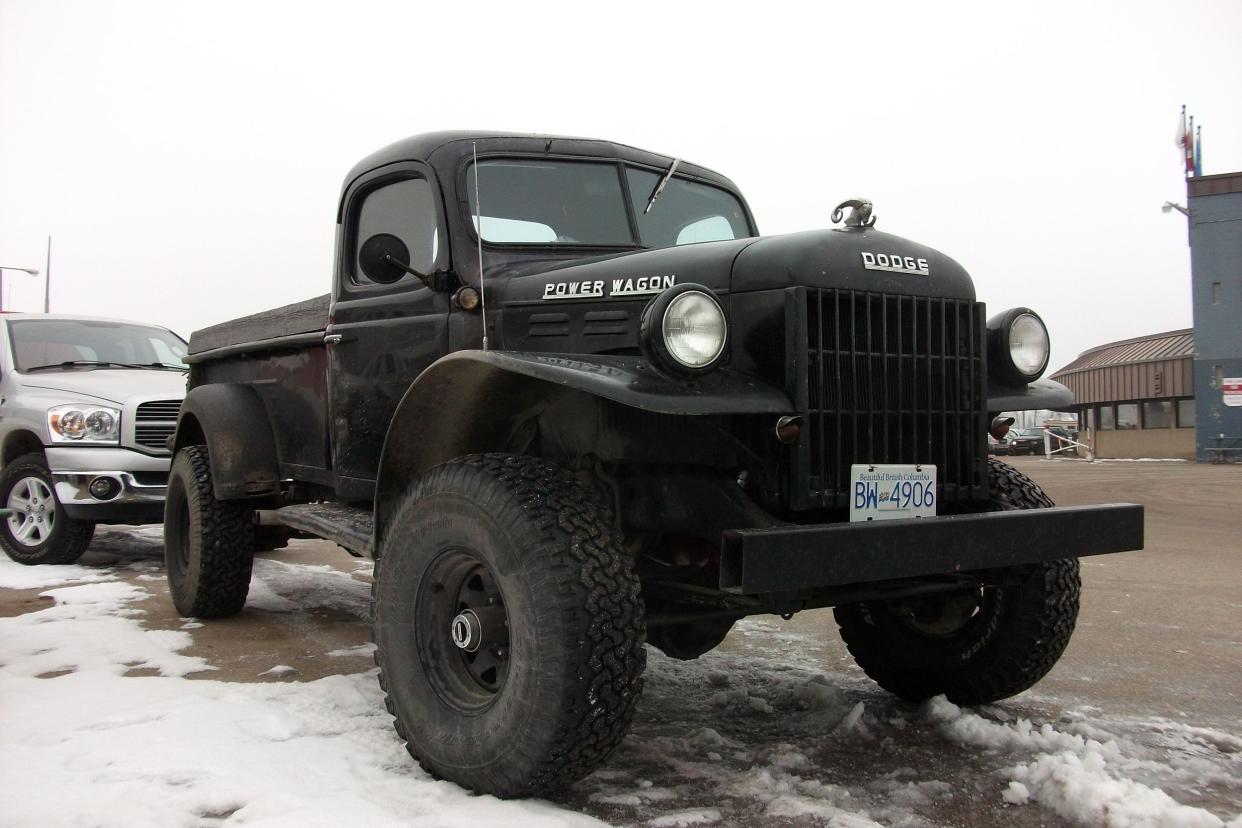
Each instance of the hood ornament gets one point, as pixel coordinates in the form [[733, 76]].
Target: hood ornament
[[860, 213]]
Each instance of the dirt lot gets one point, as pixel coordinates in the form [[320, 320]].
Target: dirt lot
[[1155, 666]]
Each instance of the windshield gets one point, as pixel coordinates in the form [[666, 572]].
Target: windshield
[[42, 342], [584, 203]]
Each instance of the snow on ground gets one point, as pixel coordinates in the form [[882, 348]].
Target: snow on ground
[[760, 735], [93, 747]]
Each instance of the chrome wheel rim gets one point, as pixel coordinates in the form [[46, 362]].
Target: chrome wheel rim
[[33, 511]]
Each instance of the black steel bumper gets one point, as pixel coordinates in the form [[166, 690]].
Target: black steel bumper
[[758, 561]]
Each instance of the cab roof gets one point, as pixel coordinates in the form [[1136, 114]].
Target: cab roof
[[445, 150]]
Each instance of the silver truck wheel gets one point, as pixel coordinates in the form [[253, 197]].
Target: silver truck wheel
[[37, 531], [509, 625]]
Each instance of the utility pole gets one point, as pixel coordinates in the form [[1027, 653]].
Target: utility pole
[[47, 279]]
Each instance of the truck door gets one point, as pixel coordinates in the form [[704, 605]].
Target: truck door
[[382, 333]]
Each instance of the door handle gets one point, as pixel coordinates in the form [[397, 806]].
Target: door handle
[[332, 339]]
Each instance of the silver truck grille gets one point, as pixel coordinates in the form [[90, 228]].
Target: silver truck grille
[[154, 422]]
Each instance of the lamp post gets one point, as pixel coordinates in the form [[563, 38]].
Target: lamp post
[[30, 270]]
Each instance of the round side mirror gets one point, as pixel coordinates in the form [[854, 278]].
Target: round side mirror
[[384, 258]]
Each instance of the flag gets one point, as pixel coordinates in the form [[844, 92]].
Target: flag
[[1180, 139], [1190, 147], [1198, 151]]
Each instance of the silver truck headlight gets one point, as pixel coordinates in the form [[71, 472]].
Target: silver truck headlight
[[84, 424], [1018, 345], [683, 330]]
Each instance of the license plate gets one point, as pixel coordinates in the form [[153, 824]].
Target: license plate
[[890, 492]]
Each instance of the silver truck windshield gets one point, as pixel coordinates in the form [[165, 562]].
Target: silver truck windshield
[[584, 203], [53, 343]]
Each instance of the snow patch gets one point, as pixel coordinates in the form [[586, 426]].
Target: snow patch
[[19, 576]]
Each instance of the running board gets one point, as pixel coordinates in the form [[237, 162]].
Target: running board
[[349, 526]]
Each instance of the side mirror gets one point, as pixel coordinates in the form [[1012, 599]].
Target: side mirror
[[384, 258]]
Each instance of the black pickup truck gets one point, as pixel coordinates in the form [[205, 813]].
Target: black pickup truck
[[571, 403]]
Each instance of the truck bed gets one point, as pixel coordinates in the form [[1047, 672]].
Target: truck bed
[[308, 316]]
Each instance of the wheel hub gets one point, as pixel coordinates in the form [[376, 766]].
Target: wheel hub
[[467, 631]]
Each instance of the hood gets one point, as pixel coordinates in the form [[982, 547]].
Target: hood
[[855, 259], [109, 384]]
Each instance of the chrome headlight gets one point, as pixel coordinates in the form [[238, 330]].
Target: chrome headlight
[[684, 330], [1018, 345], [84, 424]]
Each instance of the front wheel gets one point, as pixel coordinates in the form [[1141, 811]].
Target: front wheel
[[974, 646], [509, 625], [37, 530]]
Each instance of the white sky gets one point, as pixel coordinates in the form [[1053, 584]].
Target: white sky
[[187, 157]]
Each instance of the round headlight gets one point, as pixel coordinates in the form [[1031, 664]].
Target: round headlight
[[100, 423], [1018, 346], [684, 330], [694, 329], [1028, 344], [73, 424]]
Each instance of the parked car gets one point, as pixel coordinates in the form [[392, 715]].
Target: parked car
[[86, 406], [1025, 441]]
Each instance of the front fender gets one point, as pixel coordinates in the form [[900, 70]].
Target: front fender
[[1040, 394], [468, 402]]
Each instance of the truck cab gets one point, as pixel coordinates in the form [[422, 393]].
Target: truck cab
[[572, 402]]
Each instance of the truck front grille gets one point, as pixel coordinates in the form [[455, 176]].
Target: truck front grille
[[892, 379], [154, 422]]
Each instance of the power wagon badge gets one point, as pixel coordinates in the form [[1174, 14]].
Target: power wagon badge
[[598, 288]]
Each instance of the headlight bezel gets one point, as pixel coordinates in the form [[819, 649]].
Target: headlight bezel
[[1000, 347], [61, 420], [653, 335]]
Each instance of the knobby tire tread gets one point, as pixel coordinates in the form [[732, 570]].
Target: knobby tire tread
[[226, 555], [592, 579], [1038, 622]]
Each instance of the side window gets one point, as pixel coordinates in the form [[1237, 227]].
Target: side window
[[405, 209]]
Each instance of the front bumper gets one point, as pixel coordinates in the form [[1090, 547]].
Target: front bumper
[[142, 482], [797, 558]]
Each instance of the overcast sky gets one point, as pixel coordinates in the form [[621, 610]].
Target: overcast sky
[[187, 157]]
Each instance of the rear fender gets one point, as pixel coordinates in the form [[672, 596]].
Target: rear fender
[[232, 421]]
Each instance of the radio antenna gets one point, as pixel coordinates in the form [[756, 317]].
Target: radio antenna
[[478, 235]]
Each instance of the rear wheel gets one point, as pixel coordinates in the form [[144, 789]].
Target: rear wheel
[[508, 625], [974, 646], [208, 543], [37, 530]]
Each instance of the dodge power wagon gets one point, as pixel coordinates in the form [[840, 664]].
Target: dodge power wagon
[[572, 403], [86, 409]]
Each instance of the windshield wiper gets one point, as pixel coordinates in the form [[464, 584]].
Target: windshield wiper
[[659, 188], [98, 363]]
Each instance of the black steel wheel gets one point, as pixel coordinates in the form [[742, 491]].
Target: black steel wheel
[[37, 530], [975, 646], [508, 625], [208, 543]]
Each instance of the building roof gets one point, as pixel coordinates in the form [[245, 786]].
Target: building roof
[[1150, 348]]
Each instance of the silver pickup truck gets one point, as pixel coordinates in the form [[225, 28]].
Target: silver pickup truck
[[86, 406]]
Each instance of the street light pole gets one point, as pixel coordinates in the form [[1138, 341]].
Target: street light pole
[[29, 270]]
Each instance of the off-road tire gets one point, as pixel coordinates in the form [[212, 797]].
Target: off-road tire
[[574, 616], [1015, 638], [208, 544], [68, 537]]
